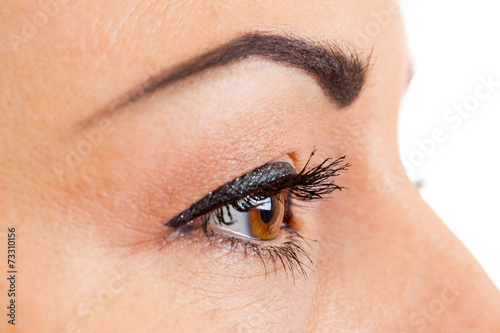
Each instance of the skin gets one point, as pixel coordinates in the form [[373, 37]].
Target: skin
[[92, 252]]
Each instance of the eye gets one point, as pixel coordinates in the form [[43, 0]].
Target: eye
[[262, 221], [258, 207]]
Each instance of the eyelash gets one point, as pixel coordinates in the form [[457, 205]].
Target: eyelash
[[312, 183]]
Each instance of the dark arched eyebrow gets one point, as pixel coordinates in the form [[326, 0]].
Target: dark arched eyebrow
[[339, 71]]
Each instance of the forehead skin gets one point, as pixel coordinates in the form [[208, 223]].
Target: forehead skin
[[114, 46], [383, 255]]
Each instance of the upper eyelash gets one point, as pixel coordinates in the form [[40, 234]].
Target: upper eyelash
[[310, 183]]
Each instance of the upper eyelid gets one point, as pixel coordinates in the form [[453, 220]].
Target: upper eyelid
[[235, 190]]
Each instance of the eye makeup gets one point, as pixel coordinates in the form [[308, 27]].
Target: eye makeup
[[267, 178], [274, 182]]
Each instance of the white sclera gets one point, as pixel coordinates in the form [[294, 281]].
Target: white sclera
[[241, 225]]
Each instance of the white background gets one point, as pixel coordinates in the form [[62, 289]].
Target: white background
[[453, 44]]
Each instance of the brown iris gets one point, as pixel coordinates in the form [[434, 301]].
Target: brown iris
[[265, 220]]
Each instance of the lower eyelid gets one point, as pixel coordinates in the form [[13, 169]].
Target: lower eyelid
[[230, 232], [288, 252]]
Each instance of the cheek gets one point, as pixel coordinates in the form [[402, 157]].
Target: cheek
[[169, 292]]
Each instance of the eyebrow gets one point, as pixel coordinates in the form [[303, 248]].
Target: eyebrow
[[339, 71]]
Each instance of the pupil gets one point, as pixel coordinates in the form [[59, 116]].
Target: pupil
[[267, 214]]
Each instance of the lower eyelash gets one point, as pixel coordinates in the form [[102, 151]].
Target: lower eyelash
[[290, 254]]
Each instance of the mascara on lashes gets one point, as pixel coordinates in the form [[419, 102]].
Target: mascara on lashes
[[268, 175]]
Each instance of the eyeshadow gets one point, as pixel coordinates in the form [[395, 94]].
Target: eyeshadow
[[236, 189]]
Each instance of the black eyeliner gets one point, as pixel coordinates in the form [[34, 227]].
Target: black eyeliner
[[312, 183], [270, 177]]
